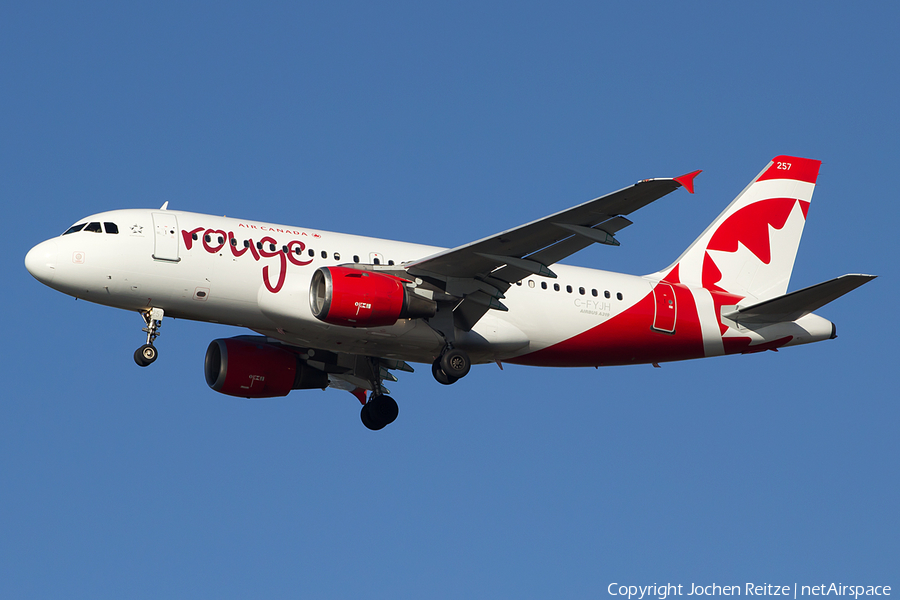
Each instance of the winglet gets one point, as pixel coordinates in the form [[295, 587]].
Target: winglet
[[687, 180]]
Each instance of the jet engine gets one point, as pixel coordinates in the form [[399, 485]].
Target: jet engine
[[356, 298], [250, 367]]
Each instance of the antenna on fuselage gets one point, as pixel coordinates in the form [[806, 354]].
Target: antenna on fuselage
[[164, 206]]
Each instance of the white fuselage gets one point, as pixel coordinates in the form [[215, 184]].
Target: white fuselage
[[257, 275]]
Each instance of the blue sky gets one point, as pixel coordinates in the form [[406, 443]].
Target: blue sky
[[443, 124]]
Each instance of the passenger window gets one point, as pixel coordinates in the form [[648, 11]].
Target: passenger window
[[544, 285], [376, 261], [619, 296], [94, 227], [207, 238], [531, 283], [271, 247], [519, 283], [324, 254], [606, 294], [594, 293], [111, 228], [74, 229], [569, 288], [555, 287], [246, 243], [391, 263], [259, 245], [356, 258], [581, 291], [311, 252], [337, 256], [234, 242]]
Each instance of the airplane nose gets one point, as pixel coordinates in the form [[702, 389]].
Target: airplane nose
[[41, 261]]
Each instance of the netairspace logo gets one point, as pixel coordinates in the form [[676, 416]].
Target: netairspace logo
[[663, 591]]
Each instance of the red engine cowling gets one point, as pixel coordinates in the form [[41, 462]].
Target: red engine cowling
[[250, 367], [356, 298]]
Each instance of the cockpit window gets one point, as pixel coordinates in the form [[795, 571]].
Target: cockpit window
[[111, 228], [94, 227], [74, 228]]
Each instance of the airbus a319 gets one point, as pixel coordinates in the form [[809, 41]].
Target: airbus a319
[[344, 311]]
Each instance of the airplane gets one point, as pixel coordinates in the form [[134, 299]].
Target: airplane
[[344, 311]]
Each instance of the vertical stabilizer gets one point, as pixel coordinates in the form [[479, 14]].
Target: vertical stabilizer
[[749, 249]]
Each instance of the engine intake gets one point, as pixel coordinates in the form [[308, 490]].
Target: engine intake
[[356, 298], [250, 367]]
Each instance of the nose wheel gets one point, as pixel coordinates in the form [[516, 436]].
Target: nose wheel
[[146, 354]]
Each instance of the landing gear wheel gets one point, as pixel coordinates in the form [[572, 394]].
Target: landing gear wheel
[[439, 374], [365, 416], [455, 363], [145, 355], [379, 412]]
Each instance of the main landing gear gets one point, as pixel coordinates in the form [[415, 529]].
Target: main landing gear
[[380, 410], [147, 353], [451, 366]]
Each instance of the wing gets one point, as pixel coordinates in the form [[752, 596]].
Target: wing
[[480, 272]]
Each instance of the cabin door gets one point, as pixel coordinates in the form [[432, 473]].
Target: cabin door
[[666, 310], [165, 237]]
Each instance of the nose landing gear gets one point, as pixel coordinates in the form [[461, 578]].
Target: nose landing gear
[[147, 353]]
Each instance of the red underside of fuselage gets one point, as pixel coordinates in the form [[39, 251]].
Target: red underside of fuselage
[[629, 338]]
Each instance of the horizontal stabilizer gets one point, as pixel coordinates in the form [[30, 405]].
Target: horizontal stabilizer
[[795, 305]]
